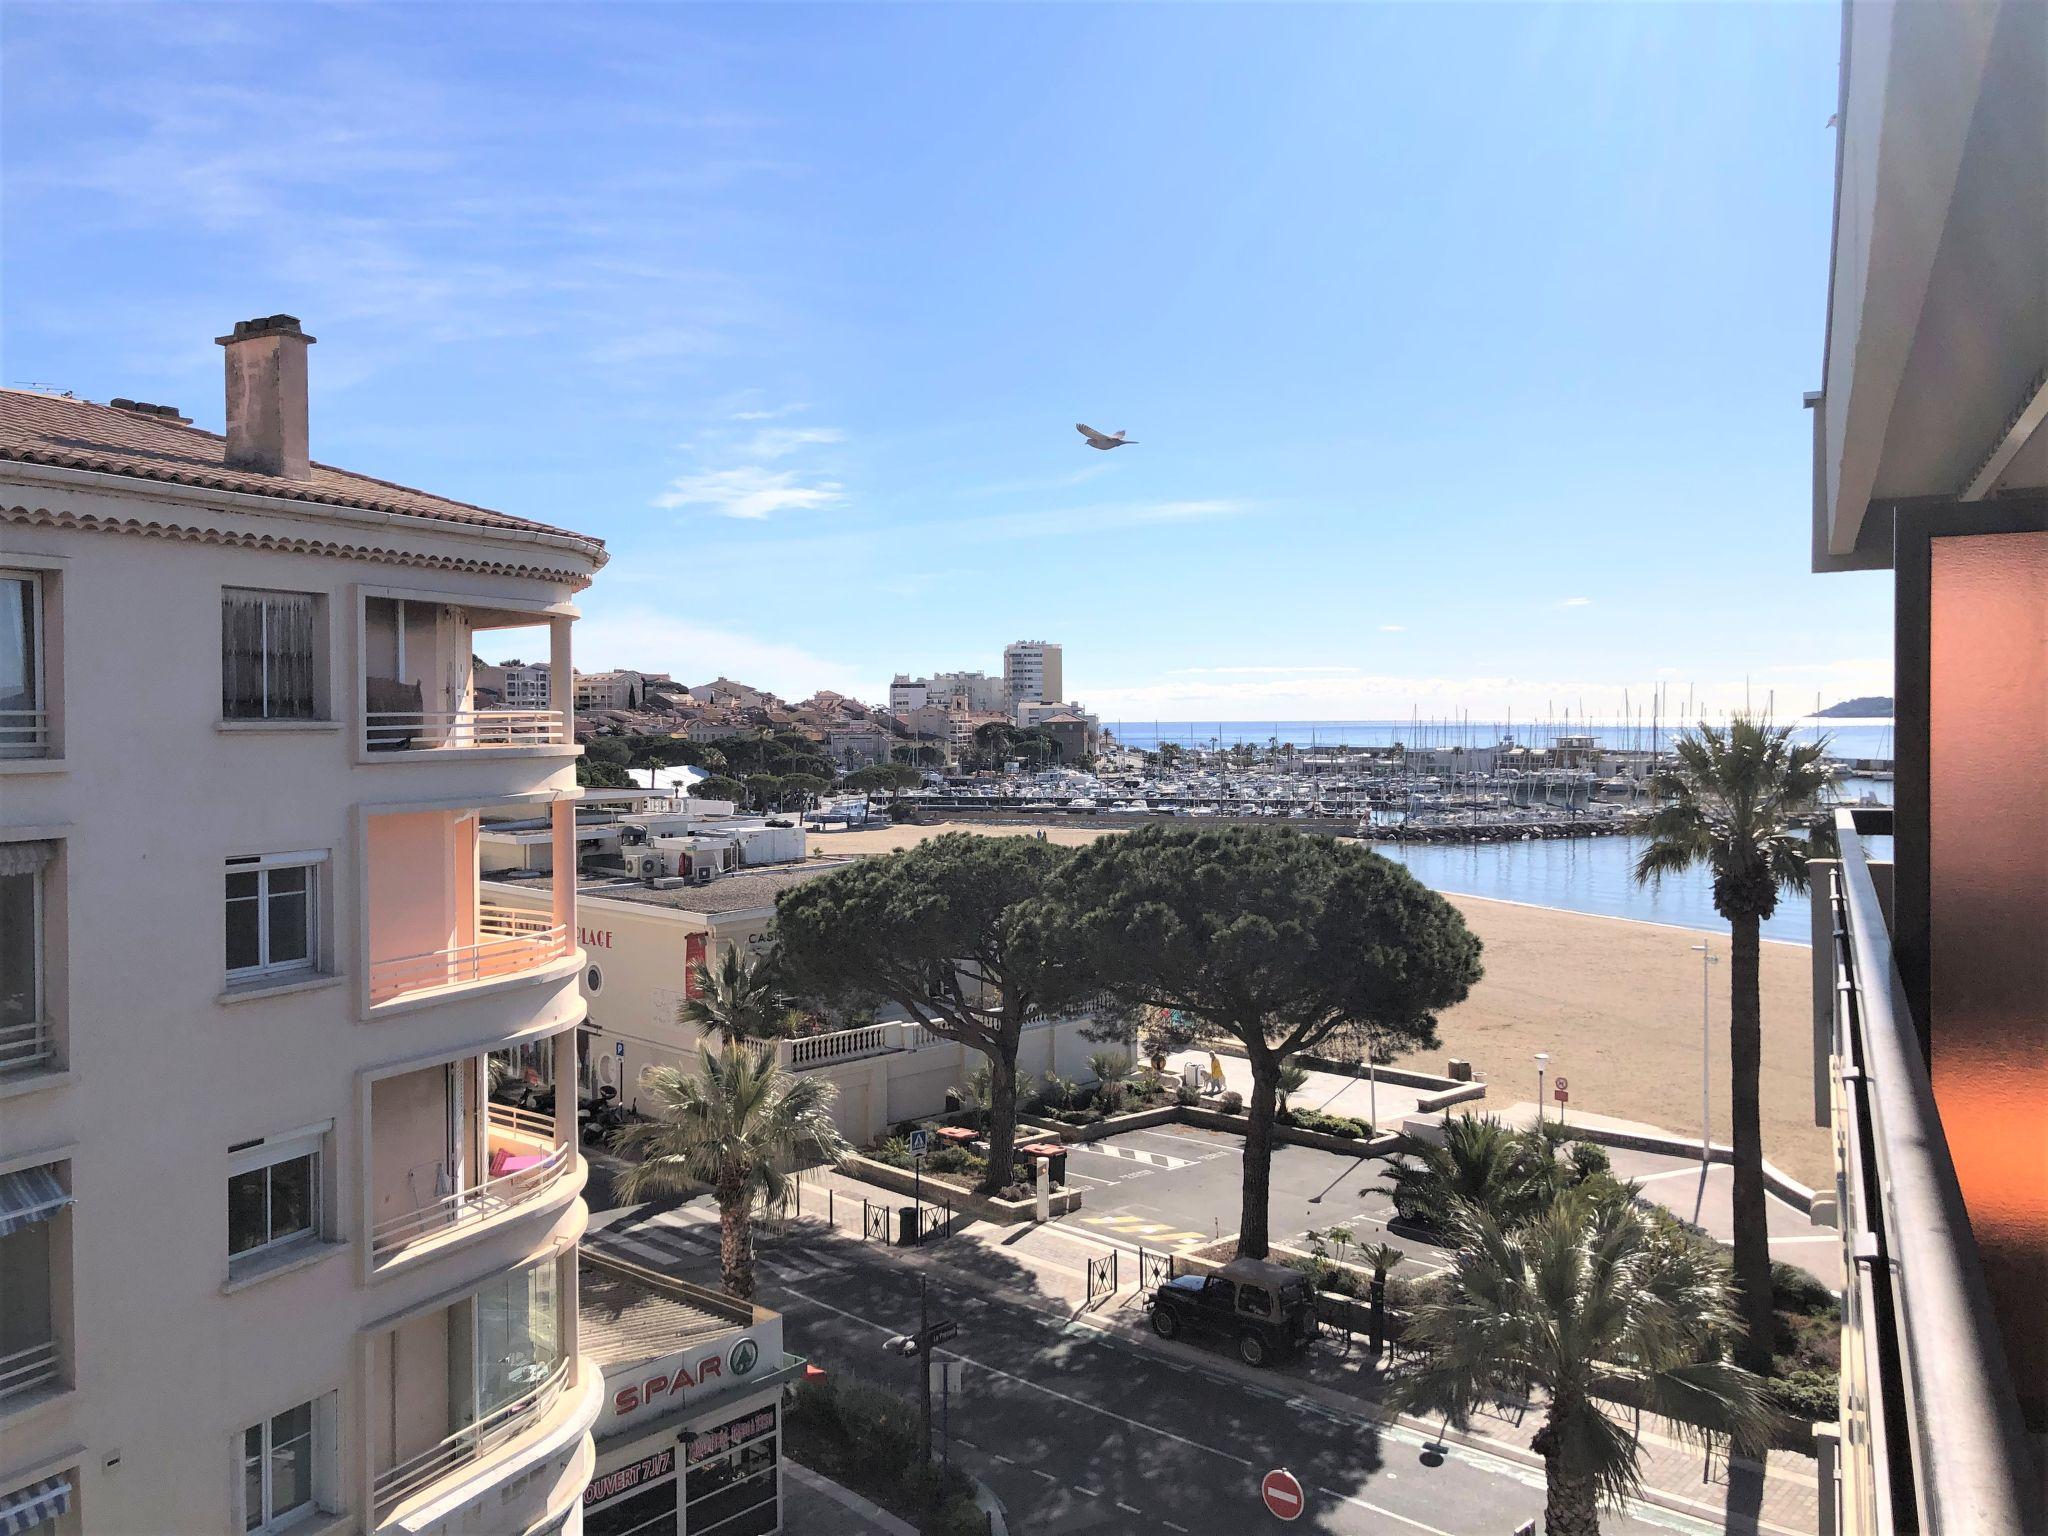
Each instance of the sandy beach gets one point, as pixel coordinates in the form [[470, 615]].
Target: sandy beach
[[1615, 1003]]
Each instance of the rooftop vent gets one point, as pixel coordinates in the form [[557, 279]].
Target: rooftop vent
[[144, 408], [266, 384]]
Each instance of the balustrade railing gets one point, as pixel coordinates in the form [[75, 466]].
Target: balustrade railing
[[390, 730], [28, 1370], [24, 732], [510, 940], [29, 1047], [470, 1443], [465, 1206]]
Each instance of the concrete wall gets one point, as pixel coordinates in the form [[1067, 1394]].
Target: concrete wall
[[171, 1357]]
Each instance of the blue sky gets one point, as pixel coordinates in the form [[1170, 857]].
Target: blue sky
[[1464, 345]]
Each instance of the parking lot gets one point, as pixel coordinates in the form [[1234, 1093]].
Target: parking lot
[[1176, 1187]]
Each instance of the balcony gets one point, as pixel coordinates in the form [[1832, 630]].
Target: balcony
[[448, 1151], [24, 732], [424, 697], [476, 1389], [30, 1370], [24, 1048], [1933, 1438], [429, 930]]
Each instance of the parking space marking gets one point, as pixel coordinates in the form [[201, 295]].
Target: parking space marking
[[1390, 1514], [1133, 1154]]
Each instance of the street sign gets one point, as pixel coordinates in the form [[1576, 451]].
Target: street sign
[[939, 1332], [1562, 1084], [1560, 1095], [919, 1141], [1282, 1492], [945, 1375]]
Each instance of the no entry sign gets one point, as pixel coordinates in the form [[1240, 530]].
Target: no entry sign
[[1282, 1492], [1562, 1092]]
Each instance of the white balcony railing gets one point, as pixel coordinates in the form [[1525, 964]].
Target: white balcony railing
[[412, 731], [28, 1370], [474, 1204], [509, 940], [24, 732], [471, 1443], [29, 1047], [534, 1123]]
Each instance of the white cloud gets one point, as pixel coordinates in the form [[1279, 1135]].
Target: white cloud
[[1250, 671], [1093, 519], [748, 491], [1576, 602], [1392, 629], [780, 442]]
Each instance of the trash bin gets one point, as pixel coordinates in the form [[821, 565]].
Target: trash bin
[[1461, 1071], [906, 1226]]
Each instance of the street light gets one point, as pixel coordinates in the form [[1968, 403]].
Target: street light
[[1542, 1065], [1708, 961]]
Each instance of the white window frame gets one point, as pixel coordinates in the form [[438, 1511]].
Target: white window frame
[[268, 1153], [39, 959], [261, 865], [320, 1433], [38, 744]]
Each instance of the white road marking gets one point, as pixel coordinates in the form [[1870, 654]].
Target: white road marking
[[1669, 1173], [1129, 1509], [1376, 1509], [1046, 1475], [1023, 1381], [1093, 1493], [999, 1456], [1172, 1527]]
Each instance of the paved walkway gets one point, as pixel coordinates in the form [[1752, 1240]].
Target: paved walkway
[[1380, 1103], [813, 1502]]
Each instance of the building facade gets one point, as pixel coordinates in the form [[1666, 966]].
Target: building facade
[[1931, 931], [622, 689], [277, 1247], [1032, 672]]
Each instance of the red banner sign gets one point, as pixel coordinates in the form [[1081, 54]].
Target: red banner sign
[[694, 949]]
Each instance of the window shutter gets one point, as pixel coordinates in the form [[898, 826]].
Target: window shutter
[[291, 656], [241, 655]]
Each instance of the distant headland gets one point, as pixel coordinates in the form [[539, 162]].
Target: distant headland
[[1874, 706]]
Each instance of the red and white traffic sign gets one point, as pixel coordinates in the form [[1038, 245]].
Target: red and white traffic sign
[[1561, 1096], [1282, 1492], [1562, 1084]]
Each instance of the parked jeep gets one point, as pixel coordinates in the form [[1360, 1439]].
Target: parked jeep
[[1268, 1309]]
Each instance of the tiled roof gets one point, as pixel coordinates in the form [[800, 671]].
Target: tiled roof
[[36, 428]]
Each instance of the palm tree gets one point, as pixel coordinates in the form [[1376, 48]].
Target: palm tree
[[1735, 803], [739, 1124], [1293, 1078], [1383, 1257], [1112, 1071], [1482, 1165], [738, 1001], [1592, 1287]]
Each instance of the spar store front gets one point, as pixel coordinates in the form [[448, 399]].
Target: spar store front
[[690, 1439]]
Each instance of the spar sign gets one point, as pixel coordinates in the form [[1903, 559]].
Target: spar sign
[[647, 1389], [1282, 1492]]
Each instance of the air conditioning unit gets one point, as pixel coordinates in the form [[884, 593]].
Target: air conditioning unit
[[643, 863]]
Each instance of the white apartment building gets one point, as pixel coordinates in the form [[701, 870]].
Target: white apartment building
[[272, 1252], [975, 691], [1031, 671], [858, 746], [623, 689]]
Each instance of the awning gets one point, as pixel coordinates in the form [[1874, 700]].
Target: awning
[[26, 1508], [29, 1195]]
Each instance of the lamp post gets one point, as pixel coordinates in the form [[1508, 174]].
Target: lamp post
[[1542, 1066], [1708, 961]]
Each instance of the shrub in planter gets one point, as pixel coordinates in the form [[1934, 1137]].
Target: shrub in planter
[[949, 1159], [1231, 1103], [1587, 1158], [1186, 1097], [1811, 1395], [1794, 1290]]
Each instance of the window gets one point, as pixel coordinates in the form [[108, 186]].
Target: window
[[33, 1261], [273, 1195], [25, 1043], [730, 1487], [267, 650], [273, 914], [517, 1337], [284, 1464], [22, 721]]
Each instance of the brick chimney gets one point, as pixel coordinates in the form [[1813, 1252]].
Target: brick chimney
[[267, 397]]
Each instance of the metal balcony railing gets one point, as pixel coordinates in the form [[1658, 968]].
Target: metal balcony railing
[[471, 1443], [386, 730], [1933, 1441], [30, 1047], [24, 732], [464, 1207], [29, 1370], [509, 940]]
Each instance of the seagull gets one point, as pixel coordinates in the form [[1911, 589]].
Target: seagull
[[1103, 440]]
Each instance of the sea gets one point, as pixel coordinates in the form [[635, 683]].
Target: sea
[[1845, 737], [1591, 874]]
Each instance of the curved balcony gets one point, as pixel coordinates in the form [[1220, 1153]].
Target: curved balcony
[[508, 942], [473, 1442], [400, 730]]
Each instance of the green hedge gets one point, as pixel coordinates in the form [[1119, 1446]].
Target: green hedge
[[1810, 1395], [1344, 1126], [865, 1437]]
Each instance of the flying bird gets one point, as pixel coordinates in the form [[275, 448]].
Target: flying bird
[[1103, 440]]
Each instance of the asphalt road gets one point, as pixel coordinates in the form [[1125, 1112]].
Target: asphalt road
[[1081, 1433]]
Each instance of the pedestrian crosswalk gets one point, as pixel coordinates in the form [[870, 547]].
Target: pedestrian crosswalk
[[1155, 1234], [669, 1238]]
